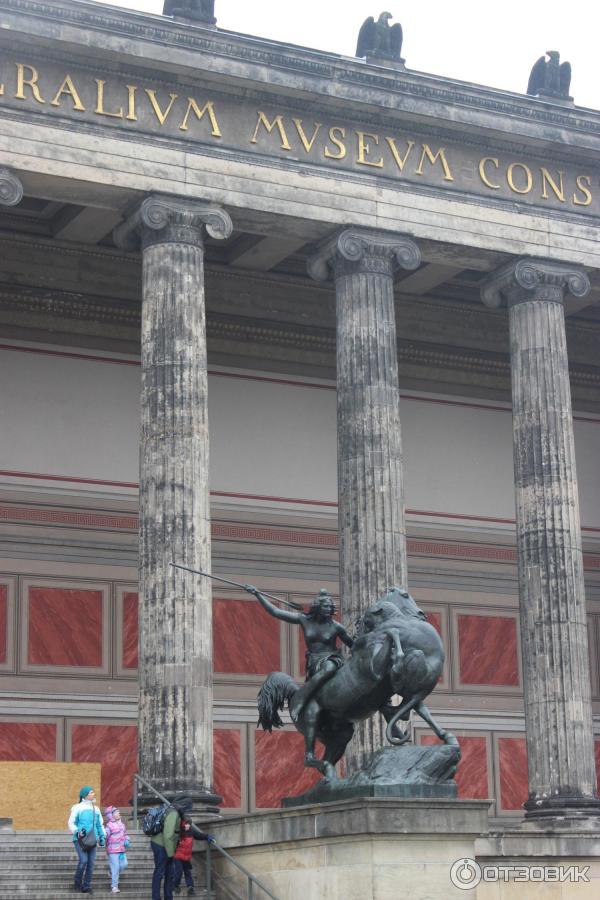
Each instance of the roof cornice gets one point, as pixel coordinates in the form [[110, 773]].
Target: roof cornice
[[293, 70]]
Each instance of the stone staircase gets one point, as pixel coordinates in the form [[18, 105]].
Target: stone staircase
[[39, 865]]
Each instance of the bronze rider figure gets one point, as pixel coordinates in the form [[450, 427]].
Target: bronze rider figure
[[321, 633]]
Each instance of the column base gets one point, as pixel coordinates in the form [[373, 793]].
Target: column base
[[569, 807]]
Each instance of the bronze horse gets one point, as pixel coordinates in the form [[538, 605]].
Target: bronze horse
[[396, 652]]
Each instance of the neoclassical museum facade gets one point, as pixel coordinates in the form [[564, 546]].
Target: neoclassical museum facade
[[313, 322]]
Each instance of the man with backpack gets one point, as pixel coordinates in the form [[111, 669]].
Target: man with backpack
[[165, 829]]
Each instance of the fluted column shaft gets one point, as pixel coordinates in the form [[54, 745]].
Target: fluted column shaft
[[370, 483], [175, 660], [558, 710]]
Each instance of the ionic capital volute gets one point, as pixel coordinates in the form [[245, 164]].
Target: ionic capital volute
[[535, 279], [11, 189], [360, 249], [164, 219]]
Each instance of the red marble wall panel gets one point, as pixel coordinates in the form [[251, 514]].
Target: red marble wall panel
[[435, 619], [512, 760], [130, 630], [28, 741], [245, 638], [488, 650], [472, 773], [65, 627], [115, 747], [3, 623], [279, 768], [227, 750]]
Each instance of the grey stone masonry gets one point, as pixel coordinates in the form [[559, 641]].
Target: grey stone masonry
[[175, 666], [370, 483], [554, 638], [11, 189]]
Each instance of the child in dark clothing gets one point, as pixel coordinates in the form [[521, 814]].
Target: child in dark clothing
[[183, 859]]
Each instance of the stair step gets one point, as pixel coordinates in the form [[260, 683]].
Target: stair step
[[38, 865], [70, 894]]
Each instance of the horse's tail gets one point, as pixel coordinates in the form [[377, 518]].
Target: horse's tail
[[278, 689], [402, 712]]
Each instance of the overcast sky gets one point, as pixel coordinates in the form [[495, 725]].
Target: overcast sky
[[490, 43]]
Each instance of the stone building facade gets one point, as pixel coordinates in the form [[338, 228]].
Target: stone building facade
[[333, 281]]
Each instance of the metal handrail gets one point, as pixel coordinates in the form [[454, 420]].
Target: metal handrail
[[210, 845]]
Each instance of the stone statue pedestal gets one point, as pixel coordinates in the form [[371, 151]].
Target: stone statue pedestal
[[354, 849], [399, 64], [417, 773]]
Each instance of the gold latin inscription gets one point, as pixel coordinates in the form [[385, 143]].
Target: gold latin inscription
[[364, 147], [400, 160], [482, 173], [337, 142], [207, 108], [397, 156], [306, 143], [160, 115], [584, 183], [69, 89], [558, 189], [31, 82], [276, 123], [131, 114], [433, 158], [511, 180], [100, 102]]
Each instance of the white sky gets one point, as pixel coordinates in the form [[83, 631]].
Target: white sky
[[489, 43]]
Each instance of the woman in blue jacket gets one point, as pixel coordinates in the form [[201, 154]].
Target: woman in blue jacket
[[84, 818]]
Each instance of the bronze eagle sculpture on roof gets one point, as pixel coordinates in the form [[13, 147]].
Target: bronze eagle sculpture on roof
[[549, 77], [379, 38]]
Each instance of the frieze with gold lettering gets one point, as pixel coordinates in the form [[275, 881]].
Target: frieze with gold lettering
[[210, 118]]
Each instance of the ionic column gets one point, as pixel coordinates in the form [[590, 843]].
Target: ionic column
[[175, 661], [554, 639], [11, 189], [370, 485]]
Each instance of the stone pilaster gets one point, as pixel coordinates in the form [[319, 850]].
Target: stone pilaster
[[554, 638], [175, 665], [11, 189], [370, 484]]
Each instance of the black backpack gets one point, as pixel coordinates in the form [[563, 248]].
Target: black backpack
[[154, 820]]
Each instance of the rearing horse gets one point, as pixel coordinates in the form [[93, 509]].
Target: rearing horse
[[396, 652]]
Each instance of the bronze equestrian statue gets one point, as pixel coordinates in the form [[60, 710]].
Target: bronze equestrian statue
[[396, 651]]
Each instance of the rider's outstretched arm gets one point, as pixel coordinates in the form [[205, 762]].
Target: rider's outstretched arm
[[283, 614]]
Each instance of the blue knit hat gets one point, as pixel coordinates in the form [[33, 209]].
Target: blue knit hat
[[84, 792]]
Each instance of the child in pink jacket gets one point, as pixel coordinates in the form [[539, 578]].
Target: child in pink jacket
[[116, 844]]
